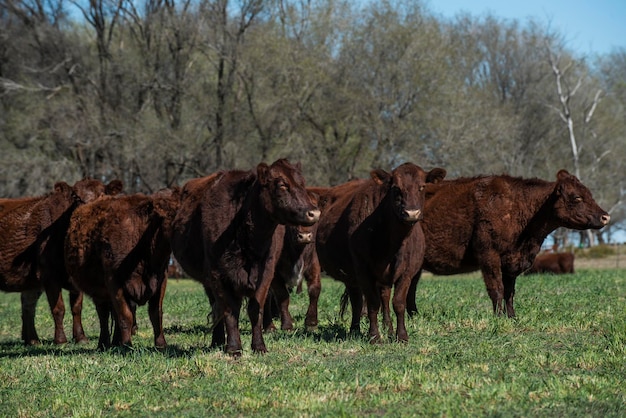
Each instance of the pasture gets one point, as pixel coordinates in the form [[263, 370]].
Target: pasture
[[565, 355]]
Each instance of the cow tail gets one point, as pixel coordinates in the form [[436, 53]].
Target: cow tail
[[345, 298]]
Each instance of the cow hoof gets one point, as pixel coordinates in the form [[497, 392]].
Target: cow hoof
[[235, 353], [81, 340], [32, 342], [60, 341]]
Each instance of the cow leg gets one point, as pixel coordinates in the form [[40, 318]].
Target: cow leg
[[314, 288], [356, 303], [269, 312], [385, 297], [372, 297], [104, 313], [255, 313], [29, 307], [123, 319], [57, 307], [231, 321], [399, 307], [492, 276], [509, 293], [411, 305], [76, 301], [155, 311], [286, 320], [218, 337]]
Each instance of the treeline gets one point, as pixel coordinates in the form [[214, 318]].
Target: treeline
[[154, 92]]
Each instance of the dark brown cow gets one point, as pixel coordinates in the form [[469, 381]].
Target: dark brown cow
[[224, 237], [497, 224], [299, 261], [556, 263], [117, 251], [32, 230], [369, 238], [294, 265]]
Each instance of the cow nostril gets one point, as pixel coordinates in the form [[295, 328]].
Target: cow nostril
[[313, 215], [605, 219], [413, 215]]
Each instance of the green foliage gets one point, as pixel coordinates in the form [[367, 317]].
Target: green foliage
[[565, 355], [597, 251]]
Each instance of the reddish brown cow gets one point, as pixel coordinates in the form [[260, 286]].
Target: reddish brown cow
[[557, 263], [300, 261], [117, 251], [294, 265], [31, 252], [224, 237], [497, 224], [369, 238]]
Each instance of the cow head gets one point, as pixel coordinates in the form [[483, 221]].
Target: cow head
[[88, 190], [283, 194], [574, 207], [406, 189]]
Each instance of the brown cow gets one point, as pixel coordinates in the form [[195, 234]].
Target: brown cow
[[294, 265], [299, 261], [116, 251], [497, 224], [31, 252], [369, 238], [557, 263], [224, 237]]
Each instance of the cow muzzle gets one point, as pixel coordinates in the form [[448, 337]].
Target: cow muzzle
[[313, 216], [305, 237], [412, 215]]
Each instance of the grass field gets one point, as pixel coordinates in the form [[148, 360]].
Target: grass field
[[564, 356]]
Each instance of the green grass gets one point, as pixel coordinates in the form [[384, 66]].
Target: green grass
[[564, 356]]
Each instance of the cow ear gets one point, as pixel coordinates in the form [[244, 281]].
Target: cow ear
[[62, 187], [380, 176], [263, 173], [436, 175], [563, 175], [114, 187]]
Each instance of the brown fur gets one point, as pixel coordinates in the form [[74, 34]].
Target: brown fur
[[117, 250], [225, 237], [294, 265], [31, 252], [368, 238], [556, 263], [497, 224]]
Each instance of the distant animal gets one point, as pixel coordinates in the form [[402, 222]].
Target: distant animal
[[369, 237], [174, 270], [32, 230], [497, 224], [556, 263], [116, 251], [224, 237]]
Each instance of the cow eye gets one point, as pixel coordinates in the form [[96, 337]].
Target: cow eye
[[578, 199]]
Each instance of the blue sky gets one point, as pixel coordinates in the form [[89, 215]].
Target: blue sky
[[589, 26]]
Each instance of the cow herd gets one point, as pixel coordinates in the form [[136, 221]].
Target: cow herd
[[246, 235]]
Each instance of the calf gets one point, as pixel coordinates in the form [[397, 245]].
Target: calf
[[497, 224], [557, 263], [369, 238], [294, 265], [32, 230], [224, 237], [117, 251]]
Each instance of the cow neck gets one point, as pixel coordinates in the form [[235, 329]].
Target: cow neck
[[395, 229], [540, 220], [257, 229]]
